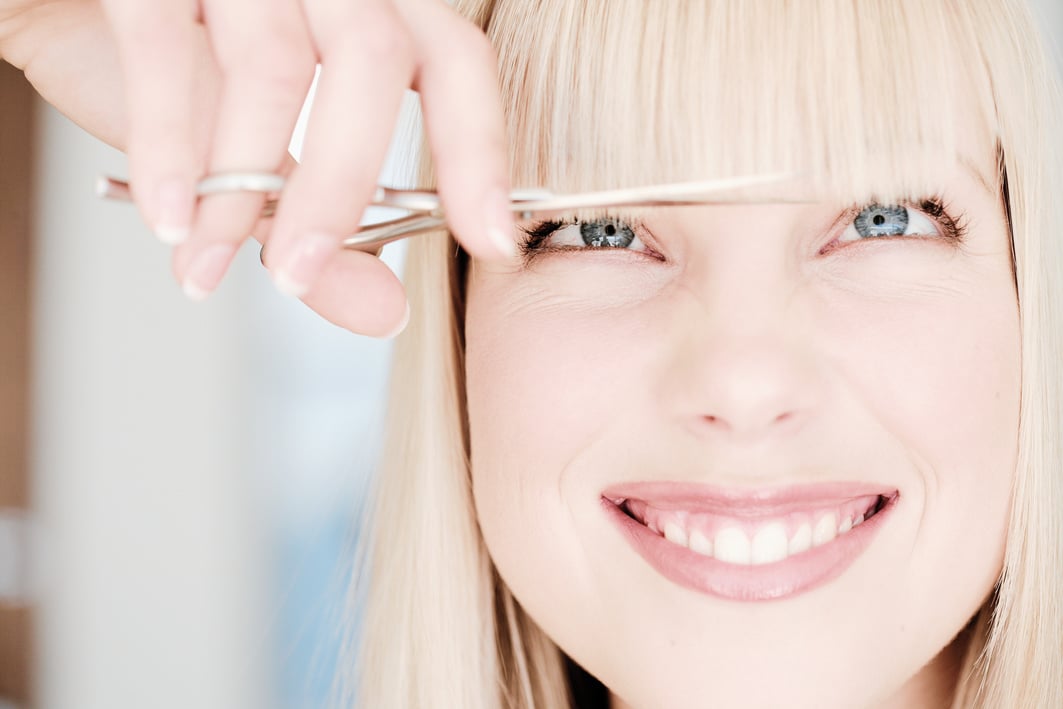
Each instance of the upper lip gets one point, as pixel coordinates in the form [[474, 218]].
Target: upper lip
[[696, 497]]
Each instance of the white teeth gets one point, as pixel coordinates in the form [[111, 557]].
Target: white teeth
[[675, 534], [732, 545], [802, 540], [826, 529], [769, 544], [700, 543]]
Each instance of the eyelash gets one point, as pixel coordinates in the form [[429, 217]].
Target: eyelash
[[954, 222], [953, 225]]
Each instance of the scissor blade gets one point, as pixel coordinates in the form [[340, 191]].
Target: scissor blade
[[372, 237], [700, 192]]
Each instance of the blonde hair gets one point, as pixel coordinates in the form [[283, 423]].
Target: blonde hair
[[863, 98]]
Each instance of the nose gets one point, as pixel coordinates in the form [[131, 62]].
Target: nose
[[740, 339], [744, 388]]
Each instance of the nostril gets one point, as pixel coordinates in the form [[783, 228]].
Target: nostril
[[753, 424], [716, 421]]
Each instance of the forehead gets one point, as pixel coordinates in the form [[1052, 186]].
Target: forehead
[[872, 98]]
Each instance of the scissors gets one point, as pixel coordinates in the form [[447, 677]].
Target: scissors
[[427, 212]]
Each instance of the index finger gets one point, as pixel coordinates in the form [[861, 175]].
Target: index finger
[[458, 82]]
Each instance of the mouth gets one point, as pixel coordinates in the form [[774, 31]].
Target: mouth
[[749, 545]]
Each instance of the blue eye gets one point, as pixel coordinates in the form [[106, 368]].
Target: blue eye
[[876, 220], [606, 233], [594, 234]]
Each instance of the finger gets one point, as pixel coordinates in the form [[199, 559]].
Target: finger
[[355, 290], [162, 55], [358, 291], [366, 65], [76, 68], [458, 82], [267, 61]]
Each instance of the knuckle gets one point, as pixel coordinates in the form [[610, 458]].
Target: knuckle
[[126, 17], [156, 44], [154, 34], [385, 38], [327, 178], [281, 71], [474, 44], [272, 53]]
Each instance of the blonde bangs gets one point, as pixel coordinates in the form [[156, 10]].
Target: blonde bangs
[[860, 98]]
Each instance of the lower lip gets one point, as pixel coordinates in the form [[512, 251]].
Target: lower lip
[[765, 582]]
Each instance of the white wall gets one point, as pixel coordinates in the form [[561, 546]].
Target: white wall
[[1051, 16], [194, 464], [152, 579]]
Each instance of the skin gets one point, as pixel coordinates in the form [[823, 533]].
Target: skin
[[748, 354]]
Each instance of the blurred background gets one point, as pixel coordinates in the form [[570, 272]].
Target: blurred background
[[178, 481]]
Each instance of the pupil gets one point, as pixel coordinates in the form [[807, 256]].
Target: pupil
[[610, 230], [879, 220]]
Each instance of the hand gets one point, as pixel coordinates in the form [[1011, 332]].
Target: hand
[[220, 91]]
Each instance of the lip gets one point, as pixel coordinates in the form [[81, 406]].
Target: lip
[[778, 580]]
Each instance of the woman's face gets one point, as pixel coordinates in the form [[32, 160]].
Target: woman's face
[[747, 380]]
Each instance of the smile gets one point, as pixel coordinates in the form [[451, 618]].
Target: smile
[[749, 545]]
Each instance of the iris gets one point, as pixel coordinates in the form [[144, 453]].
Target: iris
[[609, 232], [877, 220]]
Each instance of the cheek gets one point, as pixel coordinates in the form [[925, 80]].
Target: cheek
[[542, 388], [942, 376], [546, 356], [942, 381]]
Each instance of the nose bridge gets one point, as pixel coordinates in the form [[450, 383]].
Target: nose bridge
[[743, 366], [743, 255]]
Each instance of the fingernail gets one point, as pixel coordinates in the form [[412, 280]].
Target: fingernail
[[500, 223], [304, 263], [401, 326], [173, 212], [206, 270]]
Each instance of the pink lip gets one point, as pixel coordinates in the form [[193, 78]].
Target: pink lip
[[782, 579]]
